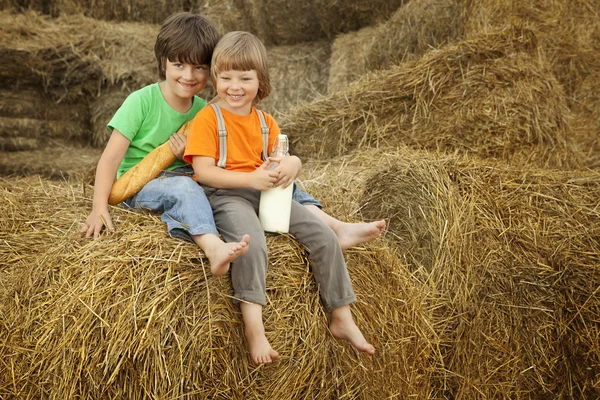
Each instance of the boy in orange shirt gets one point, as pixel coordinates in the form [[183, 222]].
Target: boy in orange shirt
[[240, 74]]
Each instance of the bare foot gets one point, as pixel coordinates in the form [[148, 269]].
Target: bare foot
[[343, 327], [353, 234], [260, 349], [221, 254]]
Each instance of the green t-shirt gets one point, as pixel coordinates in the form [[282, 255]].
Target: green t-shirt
[[148, 121]]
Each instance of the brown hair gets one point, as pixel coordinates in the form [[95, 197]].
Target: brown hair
[[242, 51], [187, 38]]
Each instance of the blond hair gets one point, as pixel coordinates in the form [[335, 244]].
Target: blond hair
[[242, 51]]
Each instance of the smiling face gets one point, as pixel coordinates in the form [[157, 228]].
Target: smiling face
[[237, 90], [182, 82]]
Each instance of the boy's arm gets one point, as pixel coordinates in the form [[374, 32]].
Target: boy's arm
[[106, 172], [209, 174]]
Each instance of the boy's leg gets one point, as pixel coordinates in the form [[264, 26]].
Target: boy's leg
[[349, 234], [236, 212], [188, 215], [330, 272]]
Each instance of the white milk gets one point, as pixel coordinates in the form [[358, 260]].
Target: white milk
[[275, 208]]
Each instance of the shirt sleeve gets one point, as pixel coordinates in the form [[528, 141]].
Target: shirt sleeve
[[129, 117], [202, 138]]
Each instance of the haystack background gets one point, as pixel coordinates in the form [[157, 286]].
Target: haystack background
[[472, 126]]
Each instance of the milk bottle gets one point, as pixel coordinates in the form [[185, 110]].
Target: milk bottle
[[276, 203]]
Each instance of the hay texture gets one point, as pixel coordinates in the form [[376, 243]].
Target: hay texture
[[348, 60], [279, 22], [513, 257], [126, 10], [488, 96], [55, 159], [76, 53], [298, 75], [135, 314], [568, 34]]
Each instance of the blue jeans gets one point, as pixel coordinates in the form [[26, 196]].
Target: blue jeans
[[183, 203]]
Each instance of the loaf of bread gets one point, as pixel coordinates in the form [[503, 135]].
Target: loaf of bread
[[139, 175]]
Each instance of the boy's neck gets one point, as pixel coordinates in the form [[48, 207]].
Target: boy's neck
[[243, 111], [180, 104]]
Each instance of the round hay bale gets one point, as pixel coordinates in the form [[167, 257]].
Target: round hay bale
[[513, 260], [298, 75], [134, 314], [486, 96]]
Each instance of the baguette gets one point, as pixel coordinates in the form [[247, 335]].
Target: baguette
[[140, 174]]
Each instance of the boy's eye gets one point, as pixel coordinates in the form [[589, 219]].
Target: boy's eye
[[202, 67]]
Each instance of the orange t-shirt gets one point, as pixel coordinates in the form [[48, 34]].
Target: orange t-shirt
[[244, 138]]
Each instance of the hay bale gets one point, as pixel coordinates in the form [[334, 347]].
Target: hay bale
[[52, 159], [512, 256], [279, 22], [102, 109], [298, 75], [135, 315], [76, 53], [18, 144], [127, 10], [348, 60], [487, 96], [226, 15], [412, 30]]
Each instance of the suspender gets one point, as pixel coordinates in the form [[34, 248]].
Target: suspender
[[223, 135]]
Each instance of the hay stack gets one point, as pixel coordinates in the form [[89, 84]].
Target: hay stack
[[76, 53], [568, 35], [134, 314], [348, 60], [52, 159], [298, 75], [487, 96], [279, 22], [412, 30], [513, 259], [127, 10]]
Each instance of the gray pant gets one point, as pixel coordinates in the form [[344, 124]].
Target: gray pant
[[236, 214]]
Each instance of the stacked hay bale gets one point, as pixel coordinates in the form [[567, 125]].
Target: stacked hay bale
[[412, 29], [53, 69], [512, 257], [568, 34], [279, 22], [135, 315], [489, 96]]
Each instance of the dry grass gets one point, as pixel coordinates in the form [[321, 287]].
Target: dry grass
[[513, 259], [514, 108], [298, 75], [134, 314]]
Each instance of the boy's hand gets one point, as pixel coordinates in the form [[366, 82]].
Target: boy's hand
[[177, 144], [288, 169], [94, 224], [261, 178]]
